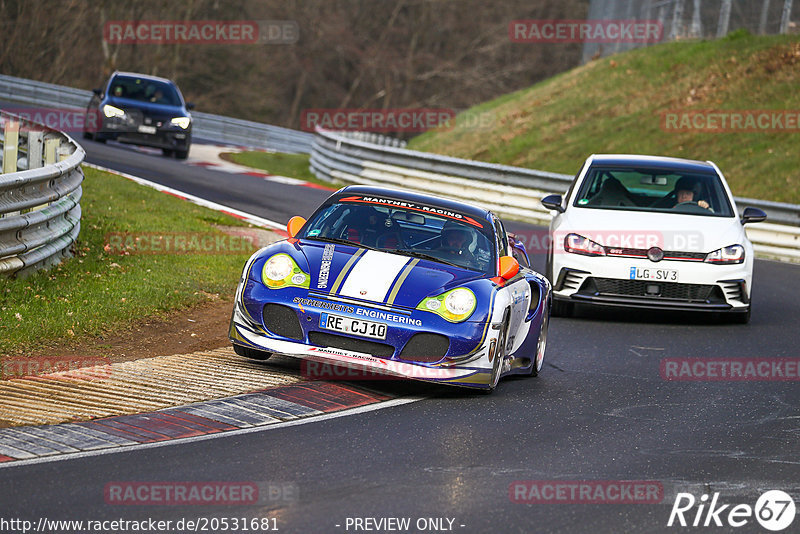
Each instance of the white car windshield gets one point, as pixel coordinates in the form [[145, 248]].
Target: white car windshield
[[657, 190]]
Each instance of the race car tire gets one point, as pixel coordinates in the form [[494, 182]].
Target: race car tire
[[499, 354], [253, 354], [538, 359]]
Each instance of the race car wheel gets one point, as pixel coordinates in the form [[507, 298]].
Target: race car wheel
[[499, 354], [253, 354], [536, 364]]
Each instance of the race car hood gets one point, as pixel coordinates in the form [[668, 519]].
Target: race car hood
[[642, 230], [379, 277]]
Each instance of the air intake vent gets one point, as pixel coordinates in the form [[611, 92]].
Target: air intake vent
[[425, 347], [282, 321]]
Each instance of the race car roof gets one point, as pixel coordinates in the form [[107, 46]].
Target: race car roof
[[650, 162], [417, 198]]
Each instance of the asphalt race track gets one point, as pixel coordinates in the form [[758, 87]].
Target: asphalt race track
[[599, 411]]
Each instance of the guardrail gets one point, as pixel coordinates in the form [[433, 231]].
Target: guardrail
[[204, 125], [40, 204], [512, 192]]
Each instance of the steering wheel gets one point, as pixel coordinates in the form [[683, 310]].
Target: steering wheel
[[690, 206]]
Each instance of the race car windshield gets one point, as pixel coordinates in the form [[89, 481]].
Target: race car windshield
[[441, 238], [656, 190]]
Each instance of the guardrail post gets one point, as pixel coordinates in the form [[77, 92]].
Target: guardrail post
[[10, 151], [11, 146], [35, 150], [50, 146], [35, 157]]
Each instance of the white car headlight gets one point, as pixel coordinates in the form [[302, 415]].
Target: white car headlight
[[112, 111], [729, 255], [182, 122]]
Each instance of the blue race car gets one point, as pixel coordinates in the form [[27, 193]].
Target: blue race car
[[400, 284]]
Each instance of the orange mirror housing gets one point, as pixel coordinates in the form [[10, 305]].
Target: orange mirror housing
[[509, 267], [294, 225]]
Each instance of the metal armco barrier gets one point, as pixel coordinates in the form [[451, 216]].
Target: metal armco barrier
[[204, 125], [39, 206], [512, 192]]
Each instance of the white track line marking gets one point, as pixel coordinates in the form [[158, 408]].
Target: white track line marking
[[179, 441], [248, 217]]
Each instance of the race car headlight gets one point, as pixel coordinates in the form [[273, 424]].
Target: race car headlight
[[282, 271], [112, 111], [726, 255], [183, 122], [577, 244], [455, 305]]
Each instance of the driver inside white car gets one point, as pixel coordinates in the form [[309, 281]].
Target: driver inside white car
[[685, 192]]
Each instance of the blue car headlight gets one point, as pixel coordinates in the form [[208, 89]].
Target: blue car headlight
[[455, 305], [282, 271], [181, 122], [113, 111]]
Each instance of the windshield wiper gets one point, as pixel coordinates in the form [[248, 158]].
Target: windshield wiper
[[340, 242], [422, 255]]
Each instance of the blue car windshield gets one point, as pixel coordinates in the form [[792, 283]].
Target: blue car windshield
[[144, 90], [414, 230]]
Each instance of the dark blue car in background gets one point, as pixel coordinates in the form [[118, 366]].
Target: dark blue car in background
[[142, 110]]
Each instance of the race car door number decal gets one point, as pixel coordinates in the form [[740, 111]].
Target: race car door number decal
[[348, 325]]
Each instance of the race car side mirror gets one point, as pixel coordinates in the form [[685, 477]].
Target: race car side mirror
[[553, 202], [753, 215], [509, 267], [294, 225]]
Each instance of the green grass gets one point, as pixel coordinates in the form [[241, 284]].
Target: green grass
[[291, 165], [615, 105], [99, 290]]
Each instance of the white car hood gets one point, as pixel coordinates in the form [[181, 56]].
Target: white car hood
[[642, 230]]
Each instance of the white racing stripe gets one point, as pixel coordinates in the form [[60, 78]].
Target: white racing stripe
[[372, 276]]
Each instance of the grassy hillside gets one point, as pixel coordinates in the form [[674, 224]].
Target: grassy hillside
[[615, 105]]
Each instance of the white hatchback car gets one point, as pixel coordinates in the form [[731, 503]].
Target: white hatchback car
[[650, 232]]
